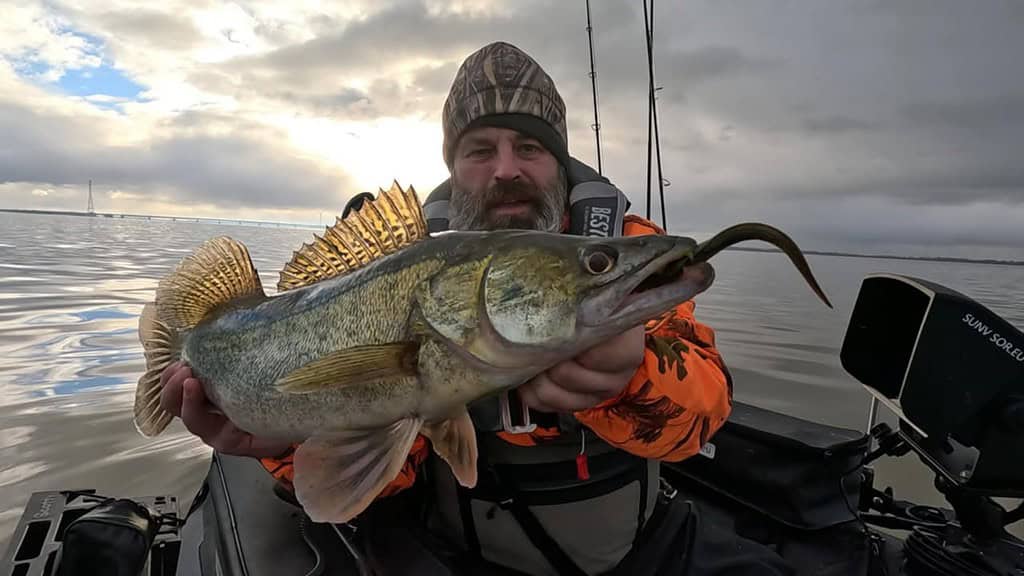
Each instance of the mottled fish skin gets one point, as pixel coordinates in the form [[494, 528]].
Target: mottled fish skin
[[244, 351]]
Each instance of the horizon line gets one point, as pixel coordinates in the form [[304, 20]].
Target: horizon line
[[242, 221]]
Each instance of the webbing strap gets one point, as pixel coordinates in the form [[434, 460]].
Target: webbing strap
[[533, 529]]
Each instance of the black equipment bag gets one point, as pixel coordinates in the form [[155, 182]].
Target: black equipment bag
[[114, 539], [796, 472]]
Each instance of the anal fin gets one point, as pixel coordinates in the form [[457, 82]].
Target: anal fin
[[337, 476], [352, 366]]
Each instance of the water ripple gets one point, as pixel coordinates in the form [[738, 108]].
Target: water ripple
[[70, 356]]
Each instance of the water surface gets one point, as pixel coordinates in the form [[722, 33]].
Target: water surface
[[71, 289]]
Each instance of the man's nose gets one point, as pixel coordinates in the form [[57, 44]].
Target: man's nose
[[508, 166]]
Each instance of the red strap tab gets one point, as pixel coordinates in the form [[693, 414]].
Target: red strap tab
[[582, 470]]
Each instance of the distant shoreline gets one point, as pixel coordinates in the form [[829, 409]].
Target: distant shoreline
[[295, 225], [890, 257]]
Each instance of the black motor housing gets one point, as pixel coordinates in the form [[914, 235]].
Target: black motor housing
[[951, 369]]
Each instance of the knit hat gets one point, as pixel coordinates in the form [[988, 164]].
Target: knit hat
[[500, 85]]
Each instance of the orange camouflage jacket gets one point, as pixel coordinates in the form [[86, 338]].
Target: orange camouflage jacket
[[678, 398]]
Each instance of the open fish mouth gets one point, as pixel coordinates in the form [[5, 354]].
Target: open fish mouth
[[671, 272], [665, 280], [669, 279], [681, 273]]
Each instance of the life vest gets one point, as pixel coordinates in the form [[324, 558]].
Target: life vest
[[571, 504]]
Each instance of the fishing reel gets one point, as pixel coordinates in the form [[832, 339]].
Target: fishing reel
[[952, 371]]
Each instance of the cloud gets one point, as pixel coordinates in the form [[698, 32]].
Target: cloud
[[802, 113], [194, 157], [149, 27]]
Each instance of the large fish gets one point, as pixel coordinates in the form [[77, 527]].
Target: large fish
[[380, 331]]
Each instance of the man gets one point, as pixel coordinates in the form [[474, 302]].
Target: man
[[578, 493]]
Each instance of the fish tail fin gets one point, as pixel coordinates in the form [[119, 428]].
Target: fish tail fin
[[217, 274], [162, 347]]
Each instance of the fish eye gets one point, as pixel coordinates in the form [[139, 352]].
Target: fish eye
[[600, 261]]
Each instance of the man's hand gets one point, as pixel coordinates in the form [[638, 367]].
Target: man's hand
[[183, 396], [592, 377]]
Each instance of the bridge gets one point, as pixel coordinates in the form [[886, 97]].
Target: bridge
[[91, 212]]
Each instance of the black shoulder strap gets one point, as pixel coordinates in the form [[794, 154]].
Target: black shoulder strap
[[356, 202], [554, 554], [532, 527], [435, 207]]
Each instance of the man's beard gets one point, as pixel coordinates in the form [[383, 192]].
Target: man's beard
[[471, 210]]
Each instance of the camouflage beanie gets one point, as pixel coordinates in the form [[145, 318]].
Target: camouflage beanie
[[500, 85]]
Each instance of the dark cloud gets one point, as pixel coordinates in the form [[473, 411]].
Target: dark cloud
[[804, 112], [836, 124], [377, 42], [245, 166]]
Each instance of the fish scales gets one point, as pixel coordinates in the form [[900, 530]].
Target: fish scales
[[246, 351]]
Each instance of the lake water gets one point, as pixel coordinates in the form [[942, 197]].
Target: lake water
[[71, 289]]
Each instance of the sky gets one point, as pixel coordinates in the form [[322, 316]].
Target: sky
[[872, 125]]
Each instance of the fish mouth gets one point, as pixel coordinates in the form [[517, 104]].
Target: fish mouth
[[680, 274], [666, 281]]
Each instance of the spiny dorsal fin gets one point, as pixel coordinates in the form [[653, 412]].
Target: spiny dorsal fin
[[218, 272], [379, 227]]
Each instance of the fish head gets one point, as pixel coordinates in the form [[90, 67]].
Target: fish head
[[536, 298], [556, 290]]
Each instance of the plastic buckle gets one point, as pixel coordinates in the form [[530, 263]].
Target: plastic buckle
[[668, 490], [506, 416]]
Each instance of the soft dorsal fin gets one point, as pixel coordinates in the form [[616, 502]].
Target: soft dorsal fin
[[379, 227], [218, 272]]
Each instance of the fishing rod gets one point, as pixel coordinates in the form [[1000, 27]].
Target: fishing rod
[[652, 117], [596, 126]]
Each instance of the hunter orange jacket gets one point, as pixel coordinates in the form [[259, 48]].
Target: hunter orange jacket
[[678, 398]]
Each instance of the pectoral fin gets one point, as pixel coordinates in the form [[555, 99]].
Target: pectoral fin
[[338, 476], [455, 441], [353, 366]]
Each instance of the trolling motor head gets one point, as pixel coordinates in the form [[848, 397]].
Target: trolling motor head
[[952, 370]]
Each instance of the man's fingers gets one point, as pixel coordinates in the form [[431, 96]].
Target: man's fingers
[[544, 395], [196, 416], [625, 351], [172, 379], [171, 370], [231, 440], [575, 378]]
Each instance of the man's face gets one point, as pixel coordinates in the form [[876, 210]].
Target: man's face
[[504, 179]]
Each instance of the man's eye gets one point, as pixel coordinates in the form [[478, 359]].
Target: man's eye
[[529, 148], [479, 152]]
